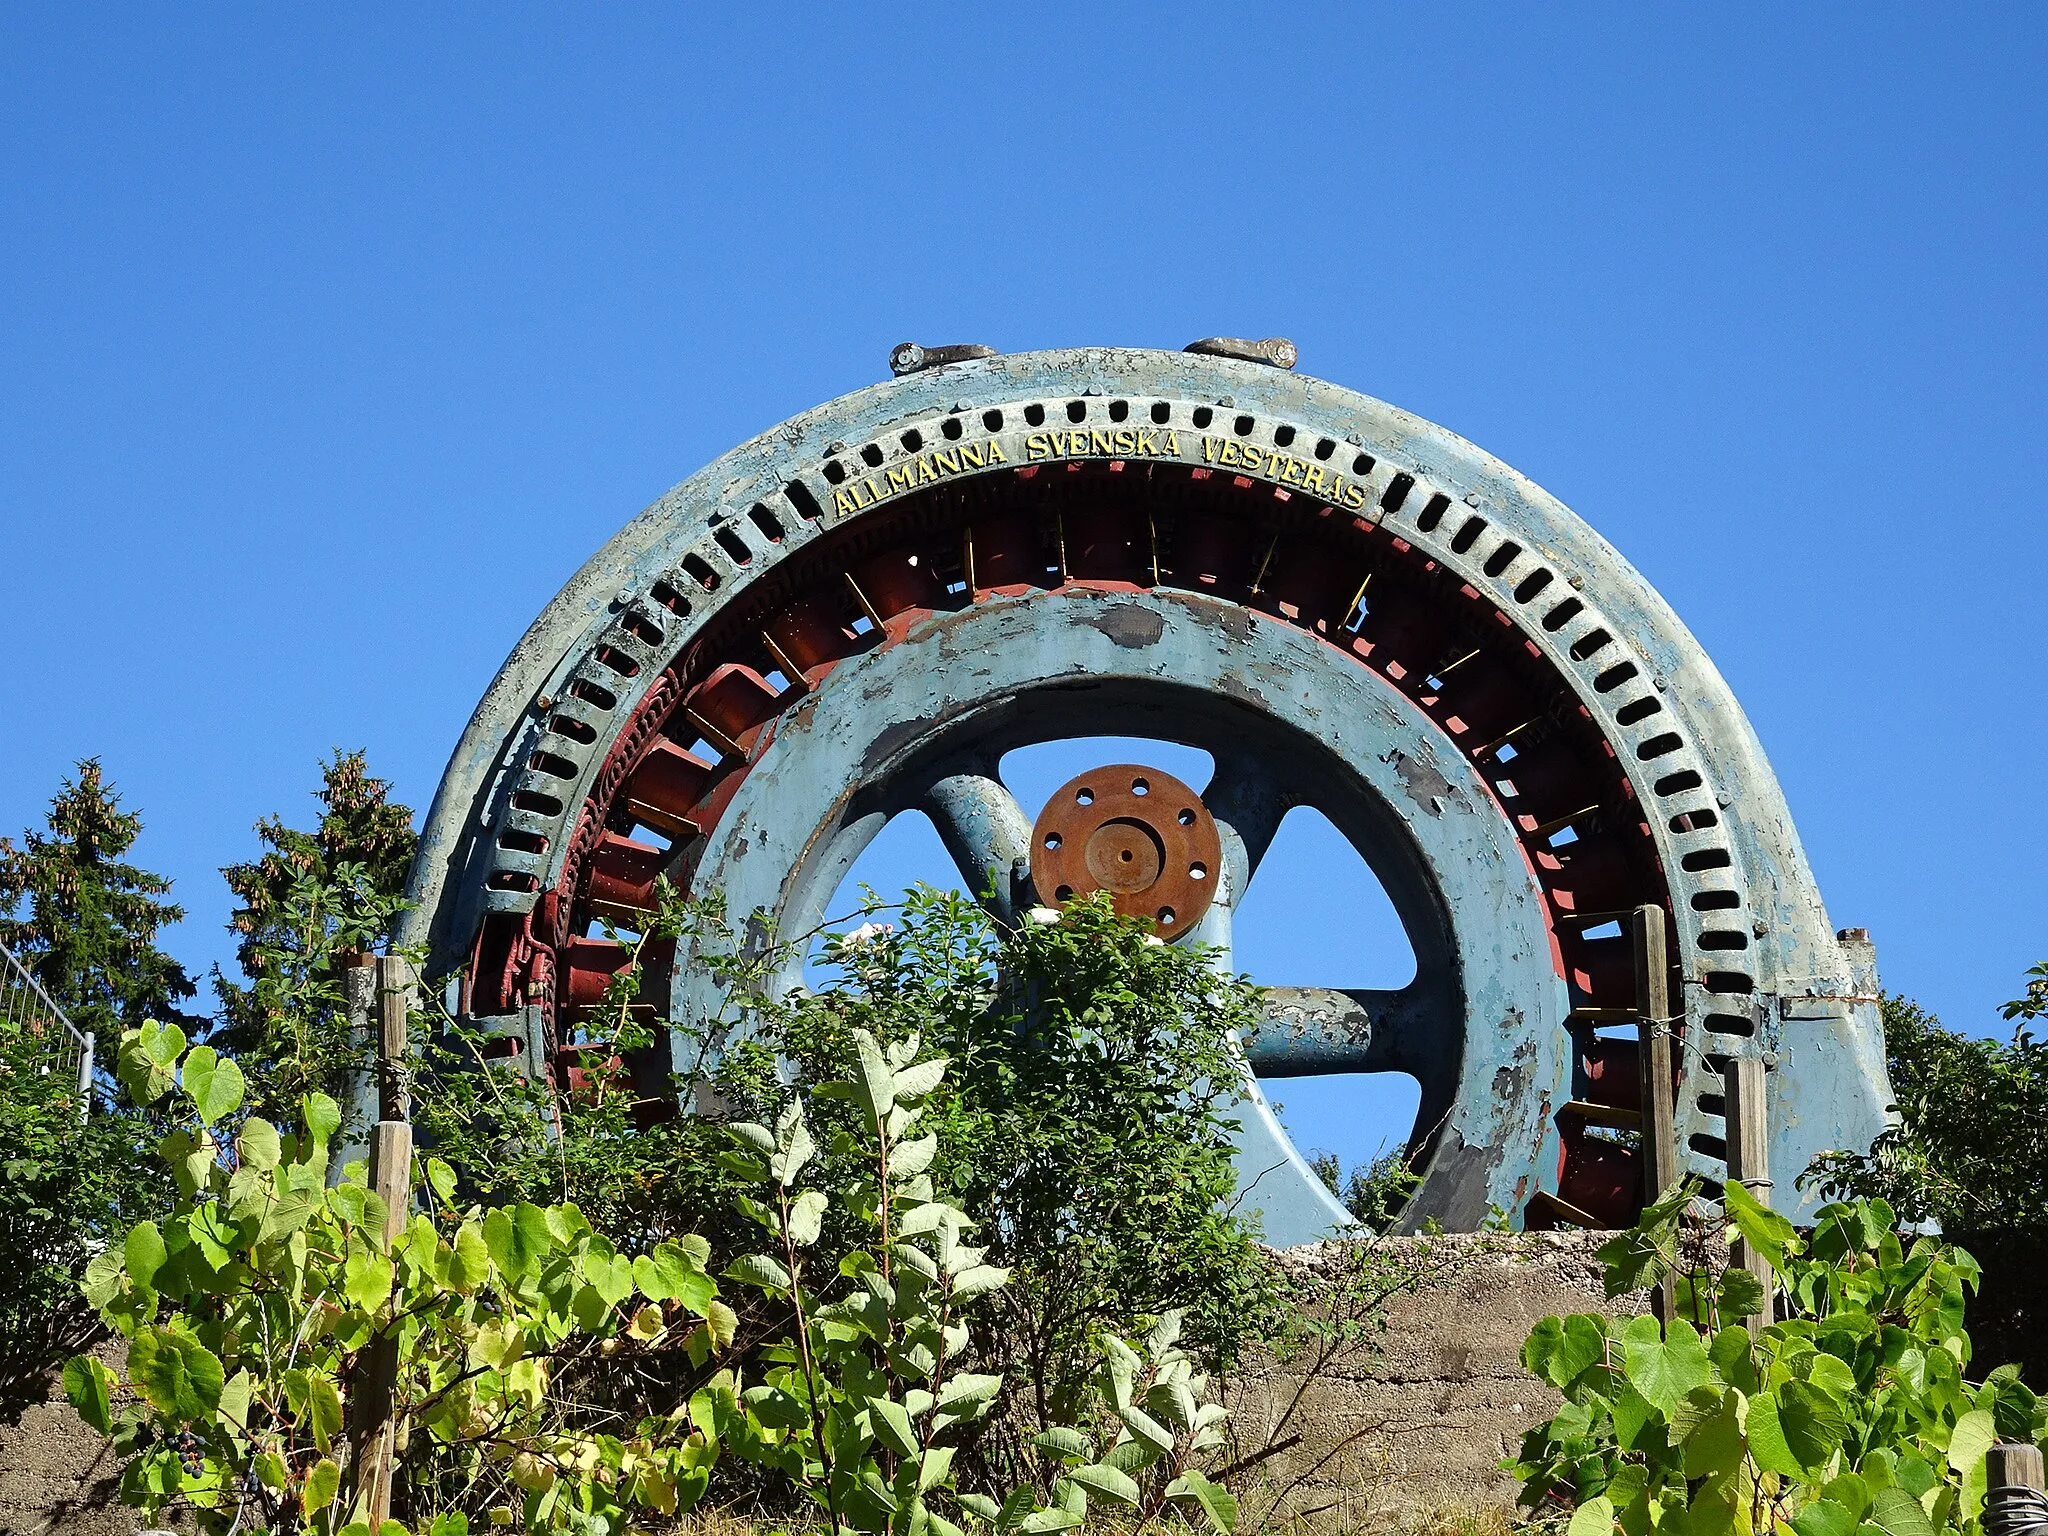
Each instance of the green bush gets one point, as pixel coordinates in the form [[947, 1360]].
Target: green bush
[[254, 1310], [1850, 1415]]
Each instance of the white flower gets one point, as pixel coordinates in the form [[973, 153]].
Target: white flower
[[1044, 916], [866, 934]]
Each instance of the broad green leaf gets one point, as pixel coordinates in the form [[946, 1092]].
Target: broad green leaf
[[89, 1385], [321, 1485], [1042, 1522], [1812, 1423], [1131, 1456], [1715, 1442], [1824, 1517], [912, 1157], [178, 1376], [1583, 1343], [518, 1239], [214, 1083], [1767, 1443], [1595, 1517], [1063, 1441], [441, 1179], [1107, 1482], [1975, 1433], [1217, 1502], [892, 1426], [917, 1081], [1147, 1428], [234, 1402], [1742, 1295], [874, 1084], [144, 1251], [366, 1279], [611, 1278], [258, 1146], [758, 1270], [723, 1324], [323, 1408], [1665, 1369], [1767, 1232], [673, 1272], [647, 1323], [322, 1117], [1898, 1513], [806, 1217], [982, 1277], [104, 1276]]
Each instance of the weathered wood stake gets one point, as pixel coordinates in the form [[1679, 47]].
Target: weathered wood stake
[[373, 1397], [1653, 1005], [1749, 1164]]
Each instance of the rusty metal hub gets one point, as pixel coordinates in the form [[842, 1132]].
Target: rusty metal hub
[[1135, 832]]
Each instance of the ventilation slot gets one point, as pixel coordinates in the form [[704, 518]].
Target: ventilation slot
[[1705, 858], [993, 420], [1502, 558], [871, 455], [640, 627], [554, 767], [1468, 535], [1641, 709], [575, 730], [1728, 983], [1363, 465], [1283, 437], [522, 842], [1659, 746], [1723, 938], [1614, 676], [769, 524], [950, 429], [1324, 448], [1034, 415], [699, 570], [1730, 1024], [1694, 821], [1532, 584], [514, 880], [1077, 410], [1588, 645], [1397, 492], [1119, 410], [1708, 1146], [671, 599], [1563, 614], [1243, 426], [1715, 901], [912, 441], [591, 693], [835, 471], [801, 498], [1202, 416], [536, 804], [617, 660], [734, 545], [1677, 783], [1162, 413]]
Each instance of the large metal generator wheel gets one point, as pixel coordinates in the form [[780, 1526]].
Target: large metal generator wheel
[[860, 612]]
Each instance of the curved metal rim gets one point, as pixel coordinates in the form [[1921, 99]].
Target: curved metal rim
[[1480, 508]]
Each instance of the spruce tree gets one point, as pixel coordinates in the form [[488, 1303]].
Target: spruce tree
[[309, 903], [83, 922]]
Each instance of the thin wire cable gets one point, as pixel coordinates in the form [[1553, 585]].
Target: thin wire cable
[[2013, 1509]]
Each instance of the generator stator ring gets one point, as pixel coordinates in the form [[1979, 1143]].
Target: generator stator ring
[[1522, 677]]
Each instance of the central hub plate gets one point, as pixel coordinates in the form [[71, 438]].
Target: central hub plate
[[1135, 832]]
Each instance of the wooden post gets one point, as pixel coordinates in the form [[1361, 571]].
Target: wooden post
[[1749, 1164], [1653, 1007], [2013, 1487], [2013, 1464], [373, 1397]]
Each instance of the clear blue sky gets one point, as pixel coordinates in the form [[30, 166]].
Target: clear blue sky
[[333, 339]]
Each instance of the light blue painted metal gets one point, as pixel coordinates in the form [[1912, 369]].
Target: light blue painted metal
[[1793, 993]]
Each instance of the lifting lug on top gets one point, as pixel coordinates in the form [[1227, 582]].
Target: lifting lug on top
[[1274, 351], [909, 357]]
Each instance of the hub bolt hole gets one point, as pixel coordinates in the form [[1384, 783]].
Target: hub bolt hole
[[1186, 818], [1052, 839], [1166, 916], [1064, 893], [1198, 871], [1140, 787], [1084, 797]]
